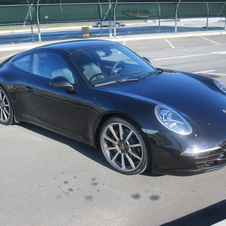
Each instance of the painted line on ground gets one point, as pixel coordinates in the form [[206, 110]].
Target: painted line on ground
[[193, 55], [221, 223], [185, 56], [209, 72], [209, 40], [203, 72], [219, 74], [170, 43]]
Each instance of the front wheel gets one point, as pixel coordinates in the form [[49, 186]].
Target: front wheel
[[6, 111], [124, 146]]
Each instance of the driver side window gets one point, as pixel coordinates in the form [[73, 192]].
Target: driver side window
[[115, 55]]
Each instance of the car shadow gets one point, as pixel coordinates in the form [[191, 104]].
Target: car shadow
[[210, 215], [86, 150]]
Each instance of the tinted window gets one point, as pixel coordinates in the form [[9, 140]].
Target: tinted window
[[51, 65], [24, 63], [105, 64]]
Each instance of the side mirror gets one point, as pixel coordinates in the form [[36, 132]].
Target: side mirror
[[61, 82], [147, 60]]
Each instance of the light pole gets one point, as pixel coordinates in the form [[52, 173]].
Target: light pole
[[115, 18], [177, 7], [38, 22], [29, 14]]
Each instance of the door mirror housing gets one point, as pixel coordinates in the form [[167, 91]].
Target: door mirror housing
[[61, 82], [147, 60]]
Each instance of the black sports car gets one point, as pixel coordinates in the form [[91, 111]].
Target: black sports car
[[103, 94]]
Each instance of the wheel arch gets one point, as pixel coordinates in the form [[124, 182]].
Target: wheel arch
[[11, 102], [132, 121], [109, 115]]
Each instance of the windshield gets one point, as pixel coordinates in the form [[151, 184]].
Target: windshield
[[111, 63]]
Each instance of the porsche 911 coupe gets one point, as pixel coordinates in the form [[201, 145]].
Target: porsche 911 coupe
[[105, 95]]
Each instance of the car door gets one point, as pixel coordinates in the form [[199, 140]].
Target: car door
[[50, 107]]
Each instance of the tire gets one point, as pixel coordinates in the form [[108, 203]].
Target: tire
[[117, 24], [6, 110], [124, 146], [99, 25]]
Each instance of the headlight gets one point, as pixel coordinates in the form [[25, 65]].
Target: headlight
[[172, 120], [220, 85]]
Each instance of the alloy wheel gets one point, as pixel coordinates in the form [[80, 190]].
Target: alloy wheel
[[123, 147], [5, 108]]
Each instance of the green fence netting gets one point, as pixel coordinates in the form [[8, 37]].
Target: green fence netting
[[63, 11]]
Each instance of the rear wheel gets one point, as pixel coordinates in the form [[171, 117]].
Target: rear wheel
[[6, 111], [124, 146]]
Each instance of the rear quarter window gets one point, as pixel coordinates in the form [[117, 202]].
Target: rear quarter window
[[24, 63]]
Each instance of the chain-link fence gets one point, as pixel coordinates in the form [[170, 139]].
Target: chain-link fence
[[64, 11]]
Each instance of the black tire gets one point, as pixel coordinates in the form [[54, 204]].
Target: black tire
[[124, 146], [6, 110]]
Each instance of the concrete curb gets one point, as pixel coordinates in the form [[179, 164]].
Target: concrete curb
[[26, 46]]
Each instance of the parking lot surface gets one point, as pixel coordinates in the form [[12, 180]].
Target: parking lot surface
[[47, 179]]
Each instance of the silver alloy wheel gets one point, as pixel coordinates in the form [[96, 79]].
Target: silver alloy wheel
[[5, 109], [123, 147]]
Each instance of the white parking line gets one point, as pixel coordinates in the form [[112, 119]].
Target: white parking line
[[221, 223], [219, 74], [170, 43], [222, 52], [203, 72], [209, 40], [185, 56], [195, 55], [209, 72]]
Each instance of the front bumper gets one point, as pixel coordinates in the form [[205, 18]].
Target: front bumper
[[205, 157], [173, 158]]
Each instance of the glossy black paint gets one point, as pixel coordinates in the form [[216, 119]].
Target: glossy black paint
[[78, 111]]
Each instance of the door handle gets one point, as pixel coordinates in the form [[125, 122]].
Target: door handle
[[28, 89]]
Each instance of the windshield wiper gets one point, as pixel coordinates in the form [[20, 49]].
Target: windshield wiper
[[128, 80], [118, 81], [159, 71]]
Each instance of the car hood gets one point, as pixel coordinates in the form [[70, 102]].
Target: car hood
[[196, 97]]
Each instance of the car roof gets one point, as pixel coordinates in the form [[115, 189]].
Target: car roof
[[68, 47], [74, 46]]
